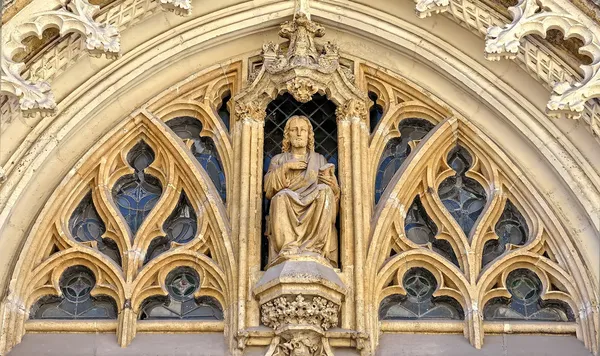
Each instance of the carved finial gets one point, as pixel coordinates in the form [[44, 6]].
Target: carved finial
[[302, 7]]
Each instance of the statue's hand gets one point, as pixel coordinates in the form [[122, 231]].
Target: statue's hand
[[296, 165]]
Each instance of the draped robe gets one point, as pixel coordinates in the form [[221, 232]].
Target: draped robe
[[303, 209]]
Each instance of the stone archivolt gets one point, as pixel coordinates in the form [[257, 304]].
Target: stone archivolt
[[224, 249]]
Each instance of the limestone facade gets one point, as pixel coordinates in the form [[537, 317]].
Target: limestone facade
[[77, 103]]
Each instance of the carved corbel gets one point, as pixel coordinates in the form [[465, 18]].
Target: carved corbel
[[353, 109], [78, 18], [179, 7], [529, 18], [250, 111], [426, 8]]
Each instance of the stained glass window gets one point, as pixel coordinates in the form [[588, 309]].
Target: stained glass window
[[464, 197], [526, 301], [223, 110], [375, 112], [86, 225], [203, 148], [397, 150], [180, 227], [420, 229], [419, 303], [182, 283], [321, 113], [137, 194], [76, 284], [511, 228]]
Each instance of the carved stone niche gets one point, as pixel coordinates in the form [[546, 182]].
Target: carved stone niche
[[300, 300]]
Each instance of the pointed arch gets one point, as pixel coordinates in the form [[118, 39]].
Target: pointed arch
[[421, 175]]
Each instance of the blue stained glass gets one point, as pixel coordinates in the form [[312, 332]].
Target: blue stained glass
[[511, 228], [76, 302], [464, 197], [526, 301], [86, 225], [419, 303], [203, 148], [137, 194], [397, 150]]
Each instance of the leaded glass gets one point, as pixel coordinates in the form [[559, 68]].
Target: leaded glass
[[420, 229], [137, 194], [526, 301], [375, 112], [511, 228], [86, 225], [76, 285], [203, 148], [397, 150], [180, 227], [419, 303], [182, 283], [321, 113], [223, 110], [464, 197]]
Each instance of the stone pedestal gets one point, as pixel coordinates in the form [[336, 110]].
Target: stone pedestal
[[300, 300]]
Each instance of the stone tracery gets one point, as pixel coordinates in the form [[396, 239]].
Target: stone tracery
[[214, 240]]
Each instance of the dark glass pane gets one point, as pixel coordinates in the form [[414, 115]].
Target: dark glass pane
[[76, 285], [203, 148], [511, 228], [137, 194], [375, 112], [321, 113], [396, 151], [419, 303], [223, 110], [86, 225], [464, 197], [526, 302], [181, 227], [182, 283], [420, 229]]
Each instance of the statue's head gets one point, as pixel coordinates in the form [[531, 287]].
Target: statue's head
[[298, 132]]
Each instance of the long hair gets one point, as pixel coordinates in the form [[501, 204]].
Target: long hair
[[286, 140]]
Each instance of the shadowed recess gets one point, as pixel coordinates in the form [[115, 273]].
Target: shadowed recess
[[464, 197], [526, 301], [420, 229], [203, 148], [138, 193], [511, 229], [86, 225], [397, 150], [76, 285], [182, 283], [419, 303], [180, 227]]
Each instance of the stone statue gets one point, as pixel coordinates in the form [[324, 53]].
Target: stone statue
[[304, 196]]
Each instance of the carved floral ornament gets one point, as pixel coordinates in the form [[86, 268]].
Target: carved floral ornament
[[443, 215], [535, 17]]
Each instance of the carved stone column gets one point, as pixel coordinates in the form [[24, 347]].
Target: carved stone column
[[247, 134], [353, 138]]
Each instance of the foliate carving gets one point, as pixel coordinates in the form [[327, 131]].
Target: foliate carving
[[33, 96], [318, 311], [302, 51], [425, 8], [352, 109], [302, 89], [250, 111], [300, 343], [99, 38], [179, 7], [529, 18]]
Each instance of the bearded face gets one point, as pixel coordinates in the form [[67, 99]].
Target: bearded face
[[298, 133]]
